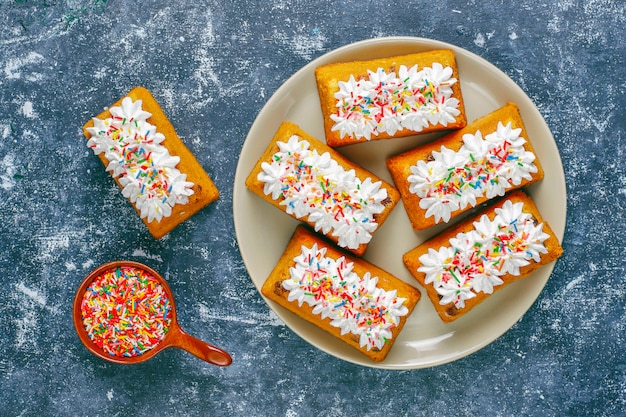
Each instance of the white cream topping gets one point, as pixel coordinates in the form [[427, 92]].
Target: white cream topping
[[315, 186], [354, 304], [386, 102], [482, 167], [144, 167], [475, 261]]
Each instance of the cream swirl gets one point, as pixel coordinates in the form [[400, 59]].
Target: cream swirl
[[481, 167], [475, 261], [315, 186], [354, 304], [386, 102], [144, 167]]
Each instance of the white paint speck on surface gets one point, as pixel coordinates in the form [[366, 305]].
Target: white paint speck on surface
[[294, 406], [208, 314], [8, 169], [479, 40], [100, 72], [28, 111], [305, 45], [554, 25], [26, 328], [13, 67], [5, 130], [573, 283], [51, 246], [88, 264], [143, 254], [34, 295]]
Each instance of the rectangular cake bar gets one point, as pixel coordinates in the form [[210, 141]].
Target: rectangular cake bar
[[444, 178], [160, 176], [316, 184], [390, 97], [467, 263], [350, 298]]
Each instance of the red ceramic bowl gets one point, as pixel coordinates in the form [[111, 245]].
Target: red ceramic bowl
[[174, 337]]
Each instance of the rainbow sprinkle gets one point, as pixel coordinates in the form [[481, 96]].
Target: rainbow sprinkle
[[126, 312]]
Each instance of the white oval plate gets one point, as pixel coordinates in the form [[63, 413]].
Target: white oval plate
[[263, 231]]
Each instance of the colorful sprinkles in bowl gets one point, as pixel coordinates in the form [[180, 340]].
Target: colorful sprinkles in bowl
[[126, 311]]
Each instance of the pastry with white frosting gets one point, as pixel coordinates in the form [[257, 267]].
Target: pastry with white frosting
[[316, 184], [467, 263], [158, 174], [390, 97], [353, 300], [486, 159]]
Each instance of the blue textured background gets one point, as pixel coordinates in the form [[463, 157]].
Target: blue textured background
[[212, 65]]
